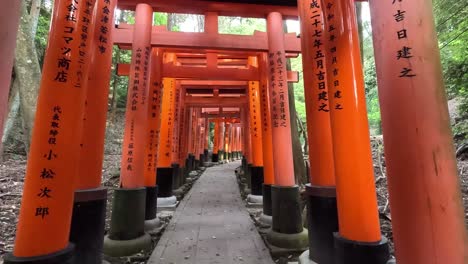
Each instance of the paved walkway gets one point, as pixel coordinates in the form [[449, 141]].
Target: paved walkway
[[211, 225]]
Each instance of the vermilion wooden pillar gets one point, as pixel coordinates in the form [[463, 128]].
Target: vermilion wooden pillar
[[256, 171], [152, 139], [154, 118], [89, 211], [164, 166], [359, 237], [287, 216], [267, 151], [321, 192], [182, 136], [9, 19], [175, 148], [425, 200], [128, 214], [47, 202]]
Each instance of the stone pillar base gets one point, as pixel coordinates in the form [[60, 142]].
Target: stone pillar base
[[126, 236], [167, 203], [254, 200], [164, 181], [322, 216], [87, 226], [355, 252], [256, 180], [287, 232], [215, 157]]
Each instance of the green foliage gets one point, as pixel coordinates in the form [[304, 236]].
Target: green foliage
[[240, 26], [42, 33], [159, 19], [452, 31]]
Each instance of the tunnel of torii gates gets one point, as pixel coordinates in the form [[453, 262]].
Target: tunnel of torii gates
[[181, 83]]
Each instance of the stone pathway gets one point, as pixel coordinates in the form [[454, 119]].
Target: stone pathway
[[211, 225]]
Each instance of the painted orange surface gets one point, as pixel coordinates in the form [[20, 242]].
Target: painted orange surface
[[356, 196], [175, 148], [255, 123], [268, 168], [182, 127], [97, 94], [167, 124], [281, 126], [136, 122], [425, 200], [47, 202], [154, 118], [319, 135]]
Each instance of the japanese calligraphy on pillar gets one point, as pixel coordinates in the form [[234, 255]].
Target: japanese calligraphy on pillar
[[69, 65], [137, 79], [154, 112], [170, 120], [105, 23], [254, 109], [264, 103], [86, 30], [404, 54], [63, 62], [333, 34], [278, 84], [47, 174], [175, 134], [316, 20]]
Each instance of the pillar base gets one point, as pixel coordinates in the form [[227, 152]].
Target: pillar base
[[256, 179], [165, 203], [288, 242], [214, 157], [175, 176], [322, 215], [287, 230], [355, 252], [164, 181], [287, 215], [265, 220], [121, 248], [255, 200], [153, 225], [304, 258], [60, 257], [87, 226], [126, 236], [151, 205]]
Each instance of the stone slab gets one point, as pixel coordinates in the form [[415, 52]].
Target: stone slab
[[211, 225]]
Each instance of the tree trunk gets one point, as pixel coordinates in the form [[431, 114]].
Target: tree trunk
[[13, 113], [28, 74], [171, 21], [34, 16], [115, 86], [298, 157]]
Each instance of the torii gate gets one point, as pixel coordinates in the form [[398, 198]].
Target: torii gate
[[424, 192]]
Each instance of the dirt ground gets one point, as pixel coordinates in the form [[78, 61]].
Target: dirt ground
[[13, 167]]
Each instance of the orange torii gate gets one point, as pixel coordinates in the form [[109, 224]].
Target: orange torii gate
[[425, 200]]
